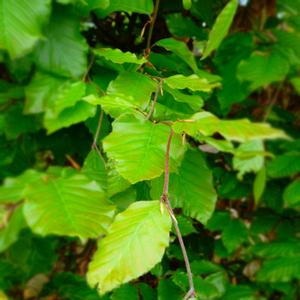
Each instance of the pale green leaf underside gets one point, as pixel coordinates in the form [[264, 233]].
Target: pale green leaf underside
[[138, 147], [192, 82], [21, 23], [242, 130], [135, 243], [119, 57], [72, 206], [221, 27]]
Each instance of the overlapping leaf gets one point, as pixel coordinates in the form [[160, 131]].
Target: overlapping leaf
[[72, 206], [242, 130], [135, 242], [138, 147], [21, 24], [191, 188]]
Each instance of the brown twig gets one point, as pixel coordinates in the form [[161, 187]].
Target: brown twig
[[152, 23], [72, 162], [165, 199], [85, 75], [158, 89]]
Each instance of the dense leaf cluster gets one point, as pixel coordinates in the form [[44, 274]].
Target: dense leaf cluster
[[91, 94]]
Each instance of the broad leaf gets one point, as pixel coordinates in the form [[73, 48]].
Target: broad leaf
[[191, 188], [10, 232], [12, 189], [119, 57], [42, 88], [259, 184], [256, 69], [192, 82], [138, 147], [21, 24], [280, 269], [284, 165], [63, 52], [123, 95], [221, 27], [73, 206], [242, 130], [291, 195], [142, 228]]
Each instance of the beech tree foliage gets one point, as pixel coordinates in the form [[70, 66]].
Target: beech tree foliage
[[149, 149]]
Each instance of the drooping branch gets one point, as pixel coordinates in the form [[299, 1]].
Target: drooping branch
[[165, 199]]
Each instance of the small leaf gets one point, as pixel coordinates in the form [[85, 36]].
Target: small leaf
[[142, 228], [187, 4], [72, 206], [259, 184], [180, 49], [249, 157], [119, 57], [9, 234], [221, 27], [234, 234], [291, 194], [192, 82], [138, 147]]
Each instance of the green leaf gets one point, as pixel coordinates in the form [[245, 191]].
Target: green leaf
[[221, 27], [9, 234], [296, 84], [284, 165], [194, 101], [192, 82], [242, 130], [256, 69], [168, 290], [73, 206], [138, 147], [119, 57], [12, 189], [138, 6], [234, 234], [280, 269], [123, 95], [21, 24], [291, 195], [72, 115], [142, 228], [125, 292], [191, 188], [180, 49], [40, 90], [249, 157], [64, 50], [94, 168], [259, 184]]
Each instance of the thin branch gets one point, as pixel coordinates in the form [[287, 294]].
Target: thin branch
[[152, 23], [272, 102], [85, 75], [98, 129], [165, 199], [158, 89]]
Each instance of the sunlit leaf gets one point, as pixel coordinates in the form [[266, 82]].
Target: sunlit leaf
[[142, 228]]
